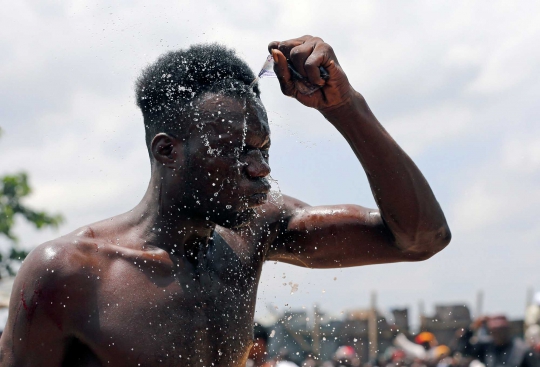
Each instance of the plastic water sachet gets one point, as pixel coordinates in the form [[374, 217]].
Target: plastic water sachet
[[267, 71], [302, 84]]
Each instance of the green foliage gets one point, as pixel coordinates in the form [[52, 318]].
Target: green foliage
[[13, 188]]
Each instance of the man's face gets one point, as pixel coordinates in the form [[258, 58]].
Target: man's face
[[501, 335], [227, 160]]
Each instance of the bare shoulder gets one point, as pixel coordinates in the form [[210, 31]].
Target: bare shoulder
[[54, 269], [66, 256], [53, 277]]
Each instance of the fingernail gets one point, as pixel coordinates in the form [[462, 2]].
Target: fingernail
[[274, 55]]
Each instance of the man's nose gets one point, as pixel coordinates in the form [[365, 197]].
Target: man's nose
[[257, 166]]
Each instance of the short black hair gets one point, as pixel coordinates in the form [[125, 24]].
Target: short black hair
[[166, 89]]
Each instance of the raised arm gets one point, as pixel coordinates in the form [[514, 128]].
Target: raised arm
[[409, 225]]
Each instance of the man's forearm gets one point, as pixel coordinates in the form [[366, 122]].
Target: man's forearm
[[401, 192]]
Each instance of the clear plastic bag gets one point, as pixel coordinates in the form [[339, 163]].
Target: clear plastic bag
[[301, 83]]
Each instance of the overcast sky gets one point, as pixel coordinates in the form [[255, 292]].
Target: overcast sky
[[456, 83]]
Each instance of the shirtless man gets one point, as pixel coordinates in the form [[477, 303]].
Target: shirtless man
[[173, 282]]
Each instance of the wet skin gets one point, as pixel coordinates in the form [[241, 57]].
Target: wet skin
[[173, 282]]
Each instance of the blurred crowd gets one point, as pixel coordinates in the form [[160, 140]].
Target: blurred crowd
[[488, 342]]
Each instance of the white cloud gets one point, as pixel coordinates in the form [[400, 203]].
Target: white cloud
[[430, 125], [522, 154], [479, 206]]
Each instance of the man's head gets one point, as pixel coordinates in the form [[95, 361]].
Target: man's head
[[346, 356], [260, 341], [499, 328], [207, 133], [426, 339], [168, 89]]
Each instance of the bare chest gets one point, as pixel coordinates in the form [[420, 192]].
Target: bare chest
[[203, 318]]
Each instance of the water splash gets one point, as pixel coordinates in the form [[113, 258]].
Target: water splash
[[275, 195], [238, 151], [214, 152], [294, 287], [244, 126]]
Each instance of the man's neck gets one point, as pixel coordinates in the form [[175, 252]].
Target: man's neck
[[163, 225]]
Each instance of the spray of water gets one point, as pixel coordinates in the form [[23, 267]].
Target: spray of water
[[275, 195]]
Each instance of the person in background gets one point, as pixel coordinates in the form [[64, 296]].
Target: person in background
[[532, 338], [282, 359], [286, 364], [427, 340], [532, 324], [421, 349], [532, 313], [398, 358], [346, 356], [309, 362], [500, 349], [442, 356], [258, 356]]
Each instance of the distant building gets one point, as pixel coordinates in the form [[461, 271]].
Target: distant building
[[401, 319], [446, 321]]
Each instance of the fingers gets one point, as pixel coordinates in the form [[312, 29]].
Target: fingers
[[272, 45], [286, 46], [298, 56], [311, 67], [306, 54], [282, 72]]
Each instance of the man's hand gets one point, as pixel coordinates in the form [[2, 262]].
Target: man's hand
[[307, 54], [482, 320]]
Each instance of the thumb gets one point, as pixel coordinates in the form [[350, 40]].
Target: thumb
[[282, 72]]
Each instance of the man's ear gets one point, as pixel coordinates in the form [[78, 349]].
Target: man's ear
[[167, 150]]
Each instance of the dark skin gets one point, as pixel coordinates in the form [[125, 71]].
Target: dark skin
[[174, 281]]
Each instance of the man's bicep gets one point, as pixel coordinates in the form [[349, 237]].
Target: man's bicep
[[334, 236]]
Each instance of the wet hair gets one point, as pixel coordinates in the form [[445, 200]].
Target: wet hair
[[168, 89]]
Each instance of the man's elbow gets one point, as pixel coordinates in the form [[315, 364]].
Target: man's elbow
[[429, 244], [444, 236]]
